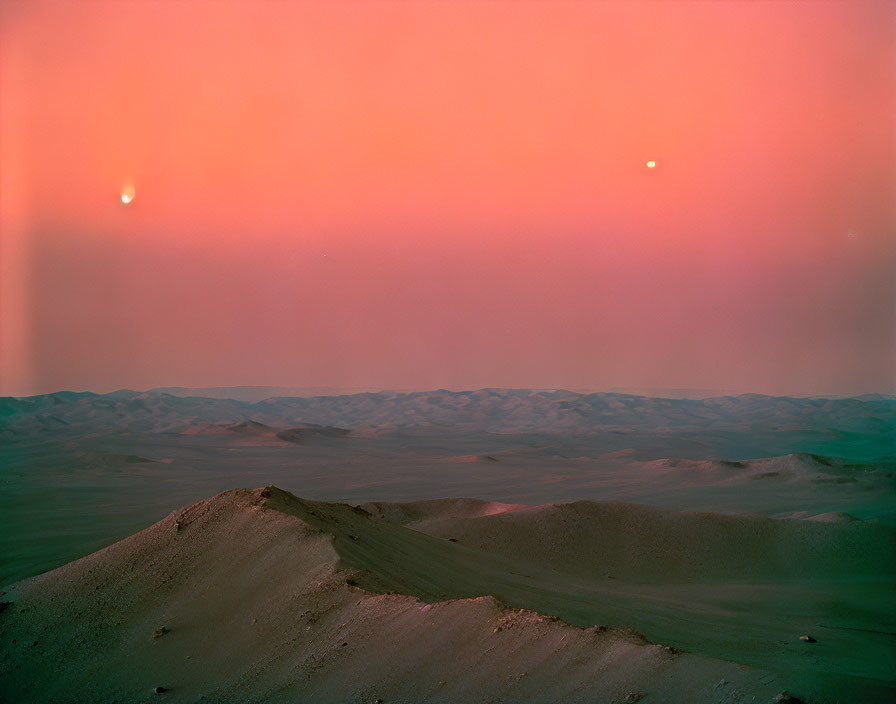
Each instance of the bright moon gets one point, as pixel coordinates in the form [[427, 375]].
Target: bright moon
[[127, 195], [651, 164]]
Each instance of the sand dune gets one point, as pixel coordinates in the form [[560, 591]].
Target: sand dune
[[792, 468], [251, 432], [69, 492], [646, 544], [421, 515], [264, 596]]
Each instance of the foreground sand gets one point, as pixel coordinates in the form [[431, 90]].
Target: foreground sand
[[266, 597]]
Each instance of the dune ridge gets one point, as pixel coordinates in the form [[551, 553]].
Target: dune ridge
[[648, 544], [265, 596]]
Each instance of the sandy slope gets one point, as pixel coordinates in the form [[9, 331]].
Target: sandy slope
[[267, 597], [645, 544]]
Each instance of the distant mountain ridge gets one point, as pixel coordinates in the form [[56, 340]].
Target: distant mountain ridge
[[253, 394], [868, 424], [491, 408]]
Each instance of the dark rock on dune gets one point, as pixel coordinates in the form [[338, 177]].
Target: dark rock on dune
[[785, 698]]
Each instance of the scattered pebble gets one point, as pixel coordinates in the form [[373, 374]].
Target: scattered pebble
[[785, 698], [808, 639], [160, 690], [159, 632]]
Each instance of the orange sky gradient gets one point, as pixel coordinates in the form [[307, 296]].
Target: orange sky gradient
[[448, 194]]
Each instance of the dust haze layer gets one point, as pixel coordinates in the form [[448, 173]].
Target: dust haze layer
[[320, 172]]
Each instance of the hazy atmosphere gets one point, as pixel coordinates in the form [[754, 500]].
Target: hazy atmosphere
[[420, 195]]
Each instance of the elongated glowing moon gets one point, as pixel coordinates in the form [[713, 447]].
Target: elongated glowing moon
[[127, 194]]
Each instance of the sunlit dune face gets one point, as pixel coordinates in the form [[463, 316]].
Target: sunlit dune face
[[127, 194]]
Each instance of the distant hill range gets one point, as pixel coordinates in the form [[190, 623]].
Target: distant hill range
[[253, 394], [749, 425]]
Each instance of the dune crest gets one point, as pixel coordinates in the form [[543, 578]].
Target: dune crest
[[254, 594], [245, 595]]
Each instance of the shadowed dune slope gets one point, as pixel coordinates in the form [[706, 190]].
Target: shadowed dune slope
[[421, 514], [266, 597], [647, 544]]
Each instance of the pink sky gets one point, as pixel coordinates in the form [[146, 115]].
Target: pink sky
[[454, 194]]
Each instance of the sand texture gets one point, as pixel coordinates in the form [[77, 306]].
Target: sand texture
[[261, 596]]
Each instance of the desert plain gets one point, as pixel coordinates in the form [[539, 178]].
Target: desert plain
[[486, 546]]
